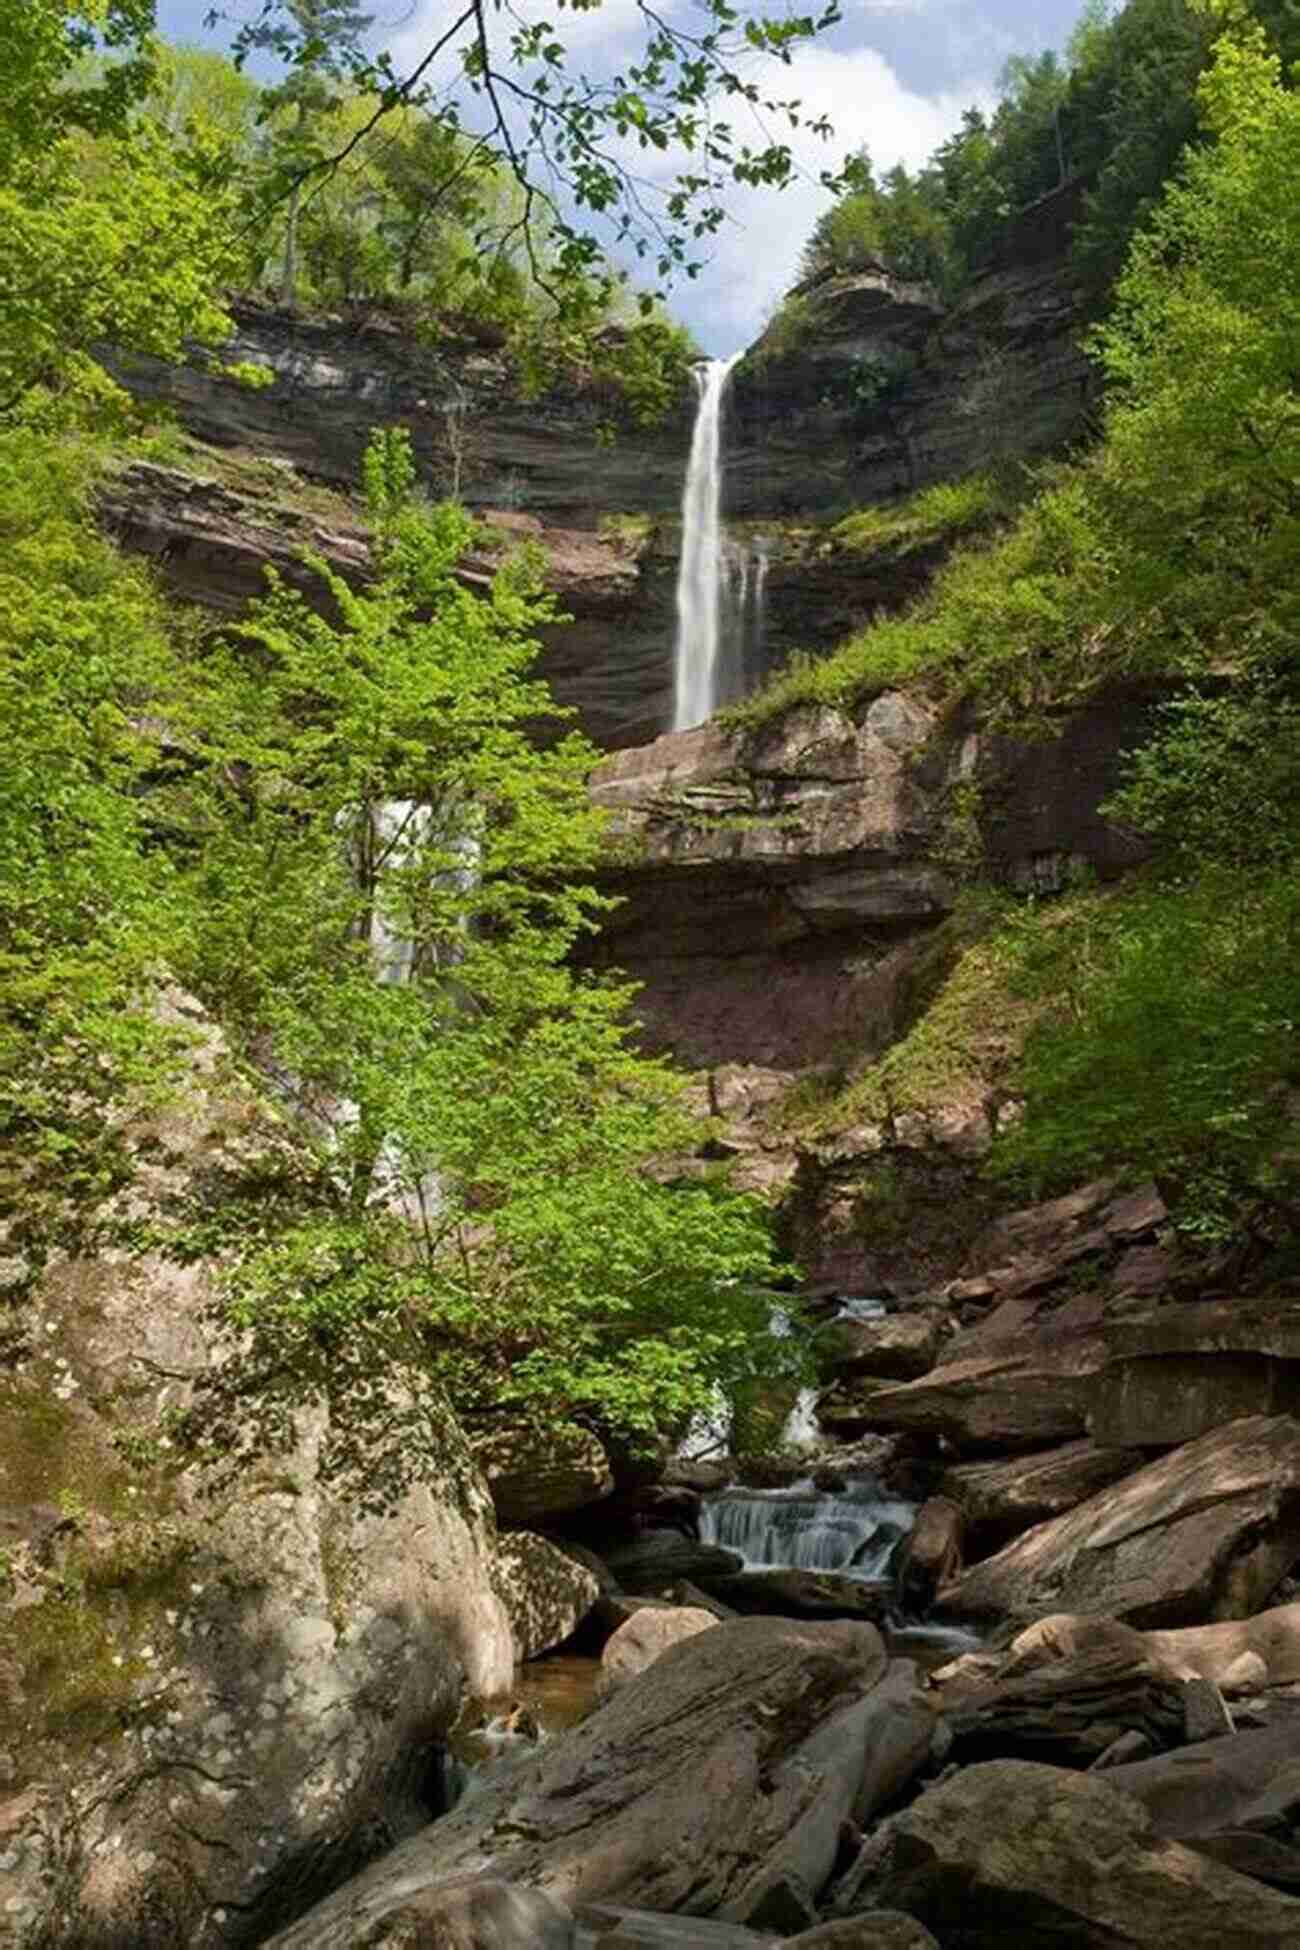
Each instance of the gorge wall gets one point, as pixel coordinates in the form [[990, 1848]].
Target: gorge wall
[[997, 373]]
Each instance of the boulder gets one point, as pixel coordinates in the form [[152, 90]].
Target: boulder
[[992, 1402], [686, 1593], [790, 1593], [1012, 1852], [894, 1347], [647, 1634], [1205, 1711], [1070, 1709], [1040, 1243], [1179, 1371], [1276, 1863], [537, 1474], [1240, 1655], [660, 1557], [207, 1700], [930, 1555], [715, 1784], [472, 1913], [614, 1608], [1002, 1499], [898, 1738], [546, 1592], [1203, 1533], [1242, 1781]]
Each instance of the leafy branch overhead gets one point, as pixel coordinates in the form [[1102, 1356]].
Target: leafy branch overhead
[[576, 145]]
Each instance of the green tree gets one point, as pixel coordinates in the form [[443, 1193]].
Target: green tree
[[89, 908], [1171, 1043], [563, 136], [322, 41], [1201, 468], [109, 229], [43, 44], [1131, 110], [387, 880]]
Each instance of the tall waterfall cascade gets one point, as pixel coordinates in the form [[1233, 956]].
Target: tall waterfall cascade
[[719, 586]]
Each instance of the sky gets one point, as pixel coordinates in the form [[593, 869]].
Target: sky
[[894, 77]]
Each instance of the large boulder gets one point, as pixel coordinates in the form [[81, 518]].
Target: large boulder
[[993, 1402], [1178, 1371], [716, 1784], [645, 1637], [1204, 1533], [1242, 1783], [211, 1706], [1012, 1852], [1001, 1499], [1068, 1698], [891, 1346], [546, 1592], [898, 1739], [1241, 1654], [537, 1474]]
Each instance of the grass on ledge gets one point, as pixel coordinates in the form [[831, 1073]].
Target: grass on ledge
[[259, 477], [1015, 619], [968, 1039], [944, 511]]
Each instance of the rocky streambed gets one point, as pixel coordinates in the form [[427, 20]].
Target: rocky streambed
[[1011, 1657], [1014, 1659]]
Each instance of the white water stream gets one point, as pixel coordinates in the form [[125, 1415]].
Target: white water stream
[[700, 574], [853, 1531]]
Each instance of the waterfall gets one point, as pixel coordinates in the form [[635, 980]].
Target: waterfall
[[853, 1532], [700, 574]]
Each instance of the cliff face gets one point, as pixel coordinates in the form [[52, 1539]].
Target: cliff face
[[871, 388], [806, 438], [336, 379], [774, 888]]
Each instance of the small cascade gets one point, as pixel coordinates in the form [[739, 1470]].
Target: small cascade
[[852, 1532], [801, 1432], [702, 572]]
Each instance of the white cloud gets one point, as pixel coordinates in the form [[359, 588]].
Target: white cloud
[[753, 259]]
